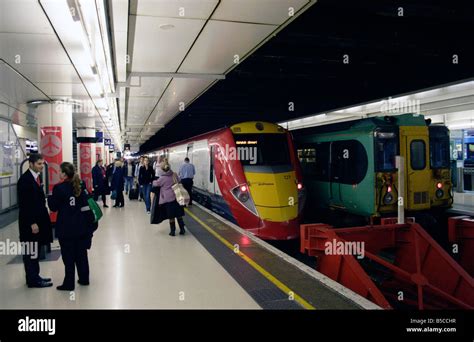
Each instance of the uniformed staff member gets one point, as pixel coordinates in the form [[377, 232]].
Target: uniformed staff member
[[33, 218], [73, 226]]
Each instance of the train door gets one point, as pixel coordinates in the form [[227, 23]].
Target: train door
[[337, 168], [414, 146], [212, 178]]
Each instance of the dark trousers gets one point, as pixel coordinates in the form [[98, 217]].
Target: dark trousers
[[74, 254], [32, 269], [188, 185], [96, 197], [120, 201], [173, 225]]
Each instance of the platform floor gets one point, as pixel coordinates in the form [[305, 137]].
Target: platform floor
[[136, 265], [463, 203]]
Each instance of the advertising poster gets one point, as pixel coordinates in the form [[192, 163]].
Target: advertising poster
[[85, 166]]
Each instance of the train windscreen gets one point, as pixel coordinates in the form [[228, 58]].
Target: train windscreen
[[439, 149], [386, 148], [262, 149]]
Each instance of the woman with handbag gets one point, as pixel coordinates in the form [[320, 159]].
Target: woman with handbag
[[167, 201], [74, 226]]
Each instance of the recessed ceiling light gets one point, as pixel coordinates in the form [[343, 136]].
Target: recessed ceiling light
[[37, 102], [166, 26]]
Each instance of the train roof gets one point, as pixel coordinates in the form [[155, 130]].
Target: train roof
[[411, 119], [241, 127]]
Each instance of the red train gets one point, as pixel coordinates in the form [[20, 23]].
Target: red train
[[248, 173]]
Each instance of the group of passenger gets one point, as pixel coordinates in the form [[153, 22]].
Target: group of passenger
[[74, 226], [69, 199]]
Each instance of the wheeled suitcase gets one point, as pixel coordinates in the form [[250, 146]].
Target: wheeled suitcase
[[133, 194]]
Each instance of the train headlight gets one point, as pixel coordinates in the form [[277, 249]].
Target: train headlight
[[243, 196], [439, 185], [242, 193], [439, 193], [388, 198], [300, 186]]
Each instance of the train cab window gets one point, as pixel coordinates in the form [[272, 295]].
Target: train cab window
[[386, 148], [439, 151], [417, 155], [262, 149]]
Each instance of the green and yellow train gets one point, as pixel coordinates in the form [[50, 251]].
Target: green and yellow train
[[350, 166]]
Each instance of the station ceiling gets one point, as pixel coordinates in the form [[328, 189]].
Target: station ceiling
[[392, 47], [128, 65]]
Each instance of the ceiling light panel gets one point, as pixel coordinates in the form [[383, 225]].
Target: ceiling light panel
[[157, 50], [274, 12], [201, 9], [223, 44]]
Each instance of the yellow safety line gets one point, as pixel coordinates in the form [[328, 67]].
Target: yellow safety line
[[256, 266]]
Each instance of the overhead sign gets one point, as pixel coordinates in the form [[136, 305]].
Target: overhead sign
[[51, 148], [107, 141], [99, 136], [111, 147]]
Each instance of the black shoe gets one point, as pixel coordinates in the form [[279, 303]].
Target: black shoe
[[171, 234], [106, 206], [115, 206], [182, 232], [83, 283], [64, 288], [46, 280], [121, 206], [40, 284]]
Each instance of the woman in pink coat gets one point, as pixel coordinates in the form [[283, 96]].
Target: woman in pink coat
[[167, 199]]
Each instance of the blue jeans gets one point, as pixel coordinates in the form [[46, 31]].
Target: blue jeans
[[146, 194], [128, 183]]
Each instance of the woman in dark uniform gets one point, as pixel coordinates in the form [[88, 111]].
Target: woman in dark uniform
[[73, 226]]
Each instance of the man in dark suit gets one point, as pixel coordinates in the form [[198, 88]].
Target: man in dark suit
[[33, 218], [99, 180]]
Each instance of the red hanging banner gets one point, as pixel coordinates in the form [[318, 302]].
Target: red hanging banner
[[86, 168], [51, 148]]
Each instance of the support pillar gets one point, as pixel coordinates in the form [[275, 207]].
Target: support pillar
[[86, 150], [55, 138]]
